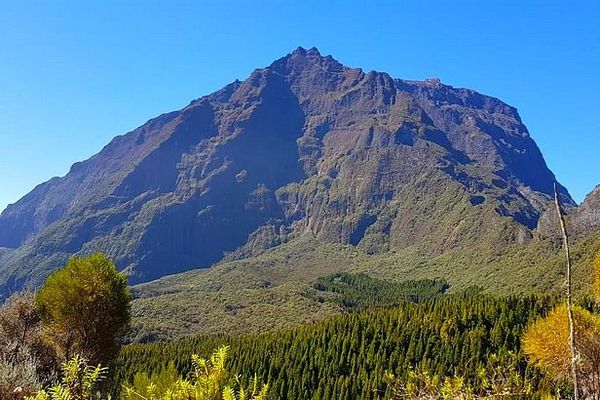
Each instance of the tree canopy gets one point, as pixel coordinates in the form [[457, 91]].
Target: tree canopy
[[85, 308]]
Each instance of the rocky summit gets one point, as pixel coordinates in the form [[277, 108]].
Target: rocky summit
[[306, 147]]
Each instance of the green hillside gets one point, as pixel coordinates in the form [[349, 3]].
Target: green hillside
[[276, 289]]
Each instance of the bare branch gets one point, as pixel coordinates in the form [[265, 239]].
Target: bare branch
[[572, 346]]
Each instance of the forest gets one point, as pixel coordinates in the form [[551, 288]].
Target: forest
[[414, 339], [347, 357]]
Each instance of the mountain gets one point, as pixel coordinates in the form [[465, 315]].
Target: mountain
[[585, 220], [306, 147]]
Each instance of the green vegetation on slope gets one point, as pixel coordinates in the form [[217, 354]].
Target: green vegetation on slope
[[275, 290], [464, 343], [356, 292], [346, 357], [266, 293]]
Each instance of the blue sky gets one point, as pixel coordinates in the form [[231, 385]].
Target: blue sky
[[75, 74]]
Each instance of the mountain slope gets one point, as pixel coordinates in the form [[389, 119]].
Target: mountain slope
[[586, 218], [306, 146]]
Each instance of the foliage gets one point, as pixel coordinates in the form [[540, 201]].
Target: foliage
[[85, 308], [347, 356], [19, 372], [206, 383], [80, 381], [269, 292], [360, 291], [546, 343], [26, 362], [500, 378], [147, 384], [19, 319]]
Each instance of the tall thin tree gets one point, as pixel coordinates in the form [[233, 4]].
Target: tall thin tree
[[572, 344]]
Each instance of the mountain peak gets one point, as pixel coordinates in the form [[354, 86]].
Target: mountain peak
[[313, 51], [301, 59], [592, 199], [304, 146]]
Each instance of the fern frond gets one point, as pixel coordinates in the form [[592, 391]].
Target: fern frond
[[229, 393]]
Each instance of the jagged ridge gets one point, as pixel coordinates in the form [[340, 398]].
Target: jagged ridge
[[306, 145]]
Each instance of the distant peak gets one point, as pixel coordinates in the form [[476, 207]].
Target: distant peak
[[313, 51], [301, 51], [593, 196], [301, 59]]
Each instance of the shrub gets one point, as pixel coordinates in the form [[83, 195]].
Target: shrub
[[207, 382], [546, 342], [80, 381], [26, 362], [85, 308], [500, 379], [18, 372]]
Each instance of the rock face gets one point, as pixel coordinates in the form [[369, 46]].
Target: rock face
[[304, 146], [585, 220]]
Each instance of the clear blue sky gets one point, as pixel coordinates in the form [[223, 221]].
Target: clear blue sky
[[74, 74]]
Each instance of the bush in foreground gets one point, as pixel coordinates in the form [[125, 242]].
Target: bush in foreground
[[26, 361], [207, 382], [81, 381], [84, 308], [500, 379]]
